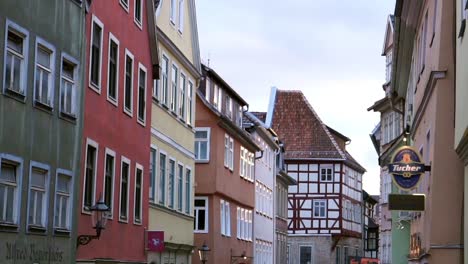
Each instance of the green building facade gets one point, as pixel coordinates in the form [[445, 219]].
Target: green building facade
[[41, 65]]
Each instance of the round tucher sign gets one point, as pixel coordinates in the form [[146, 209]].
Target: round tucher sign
[[406, 167]]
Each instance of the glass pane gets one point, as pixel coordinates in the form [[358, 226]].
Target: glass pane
[[63, 220], [43, 57], [31, 207], [38, 178], [63, 183], [3, 189], [67, 69], [203, 150], [201, 220], [306, 255], [8, 173], [9, 60], [62, 95], [201, 134], [9, 206], [45, 87], [38, 218], [200, 203], [68, 98], [57, 210], [16, 73], [15, 42]]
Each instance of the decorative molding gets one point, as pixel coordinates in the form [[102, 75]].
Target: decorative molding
[[168, 140]]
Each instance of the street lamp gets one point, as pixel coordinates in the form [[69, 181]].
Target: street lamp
[[203, 253], [99, 221], [242, 257]]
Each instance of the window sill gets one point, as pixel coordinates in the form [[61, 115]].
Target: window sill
[[202, 161], [62, 232], [36, 229], [138, 24], [124, 7], [128, 112], [141, 122], [113, 101], [15, 95], [200, 231], [9, 227], [44, 107], [170, 211], [95, 88], [68, 117], [138, 223], [123, 220]]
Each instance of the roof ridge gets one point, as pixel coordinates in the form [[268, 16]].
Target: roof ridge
[[324, 127]]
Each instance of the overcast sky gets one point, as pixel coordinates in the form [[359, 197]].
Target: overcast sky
[[329, 49]]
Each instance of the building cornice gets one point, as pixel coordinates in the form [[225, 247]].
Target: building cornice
[[171, 142]]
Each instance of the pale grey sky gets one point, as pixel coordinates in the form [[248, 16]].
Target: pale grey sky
[[329, 49]]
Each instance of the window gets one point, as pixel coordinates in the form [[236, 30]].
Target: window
[[326, 174], [182, 96], [371, 240], [246, 164], [10, 180], [225, 218], [200, 224], [162, 178], [142, 94], [228, 152], [16, 55], [229, 107], [138, 193], [128, 95], [38, 183], [180, 186], [96, 53], [189, 119], [109, 176], [90, 175], [174, 88], [388, 69], [218, 95], [188, 193], [244, 224], [173, 12], [63, 191], [124, 187], [152, 174], [239, 116], [338, 255], [44, 74], [171, 183], [305, 255], [113, 70], [202, 144], [181, 16], [208, 90], [164, 79], [139, 13], [320, 209], [68, 98], [124, 4]]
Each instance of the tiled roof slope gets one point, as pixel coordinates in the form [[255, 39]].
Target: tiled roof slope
[[300, 128]]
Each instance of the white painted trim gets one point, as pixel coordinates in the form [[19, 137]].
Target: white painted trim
[[173, 194], [165, 101], [111, 153], [190, 102], [158, 10], [128, 111], [70, 208], [189, 205], [177, 189], [51, 92], [155, 173], [173, 108], [126, 8], [18, 161], [112, 38], [208, 130], [171, 142], [124, 159], [75, 95], [89, 142], [95, 87], [139, 24], [15, 28], [207, 207], [45, 205], [162, 152], [180, 15], [138, 167], [182, 87], [141, 67]]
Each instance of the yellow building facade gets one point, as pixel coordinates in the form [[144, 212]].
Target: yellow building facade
[[172, 164]]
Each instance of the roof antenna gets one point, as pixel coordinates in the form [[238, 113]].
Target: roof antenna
[[208, 62]]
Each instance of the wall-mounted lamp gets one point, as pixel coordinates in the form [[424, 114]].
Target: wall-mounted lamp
[[99, 218], [203, 253]]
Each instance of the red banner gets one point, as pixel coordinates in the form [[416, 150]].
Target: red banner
[[155, 241]]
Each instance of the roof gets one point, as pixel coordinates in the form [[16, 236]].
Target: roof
[[333, 131], [350, 161], [260, 115], [377, 106], [304, 135], [212, 73]]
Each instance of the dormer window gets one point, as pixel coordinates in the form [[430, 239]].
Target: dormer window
[[388, 69]]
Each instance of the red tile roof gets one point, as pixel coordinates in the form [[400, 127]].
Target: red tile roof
[[305, 136]]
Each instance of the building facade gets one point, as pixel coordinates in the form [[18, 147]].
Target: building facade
[[41, 117], [324, 209], [424, 76], [225, 168], [121, 56], [371, 228], [461, 108], [172, 158]]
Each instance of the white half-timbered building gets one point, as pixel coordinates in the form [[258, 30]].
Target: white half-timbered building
[[325, 207]]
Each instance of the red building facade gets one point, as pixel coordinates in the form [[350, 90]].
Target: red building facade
[[119, 65]]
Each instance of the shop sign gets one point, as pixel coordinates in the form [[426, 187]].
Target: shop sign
[[407, 168], [32, 253], [155, 241]]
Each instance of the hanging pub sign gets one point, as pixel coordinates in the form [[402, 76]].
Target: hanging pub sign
[[406, 167]]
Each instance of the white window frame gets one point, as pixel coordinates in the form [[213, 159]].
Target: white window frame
[[18, 163], [159, 177], [182, 108], [70, 199], [208, 139], [163, 95], [318, 205], [174, 88], [45, 201], [172, 12], [124, 5], [76, 83], [190, 103], [23, 33], [90, 142], [180, 187], [171, 195], [114, 101], [130, 55], [109, 152], [208, 89], [326, 168], [139, 23], [123, 160], [42, 44], [154, 170], [206, 208], [225, 218], [138, 167], [95, 87], [141, 67], [180, 24], [188, 191], [311, 251]]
